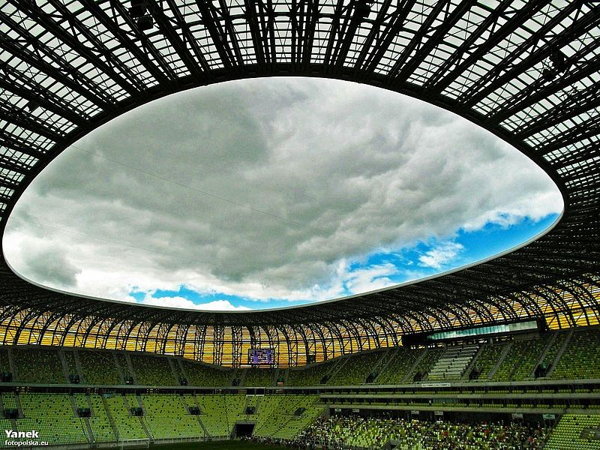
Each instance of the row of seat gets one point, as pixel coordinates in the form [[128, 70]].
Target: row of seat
[[576, 353]]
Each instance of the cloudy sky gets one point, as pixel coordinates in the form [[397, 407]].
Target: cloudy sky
[[269, 193]]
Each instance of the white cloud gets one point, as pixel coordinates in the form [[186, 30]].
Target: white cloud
[[441, 255], [263, 189], [370, 278], [180, 302]]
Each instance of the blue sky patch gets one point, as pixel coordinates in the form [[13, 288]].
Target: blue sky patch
[[425, 259]]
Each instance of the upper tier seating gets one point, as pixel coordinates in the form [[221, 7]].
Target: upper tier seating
[[520, 361], [426, 363], [38, 366], [311, 375], [397, 370], [488, 359], [565, 355], [453, 363], [99, 367], [581, 358], [259, 377], [153, 371], [356, 370], [202, 375]]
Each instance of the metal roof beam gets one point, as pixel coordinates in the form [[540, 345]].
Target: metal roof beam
[[173, 36], [584, 130], [417, 39], [505, 71], [571, 107], [377, 51], [17, 144], [53, 27], [436, 38], [15, 166], [307, 38], [335, 35], [216, 33], [118, 7], [447, 76], [540, 90], [230, 32], [37, 95], [78, 83], [189, 38], [255, 30], [123, 38], [20, 118]]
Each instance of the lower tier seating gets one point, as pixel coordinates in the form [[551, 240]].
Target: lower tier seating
[[575, 432], [131, 418], [53, 417]]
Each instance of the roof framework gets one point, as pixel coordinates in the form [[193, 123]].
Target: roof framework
[[527, 71]]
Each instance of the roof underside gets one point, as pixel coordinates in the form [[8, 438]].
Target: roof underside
[[528, 71]]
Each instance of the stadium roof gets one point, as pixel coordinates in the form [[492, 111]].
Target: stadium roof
[[528, 71]]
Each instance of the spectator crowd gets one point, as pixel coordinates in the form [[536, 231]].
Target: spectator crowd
[[355, 432]]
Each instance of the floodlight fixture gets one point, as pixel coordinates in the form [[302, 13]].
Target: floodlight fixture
[[363, 9], [145, 23], [138, 8]]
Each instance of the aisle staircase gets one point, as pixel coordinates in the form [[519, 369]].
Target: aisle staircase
[[453, 363]]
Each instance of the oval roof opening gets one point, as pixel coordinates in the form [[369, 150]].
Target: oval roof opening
[[268, 193]]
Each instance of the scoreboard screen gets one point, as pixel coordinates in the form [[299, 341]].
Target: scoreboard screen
[[261, 356]]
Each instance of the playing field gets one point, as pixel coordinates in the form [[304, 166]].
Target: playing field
[[217, 445]]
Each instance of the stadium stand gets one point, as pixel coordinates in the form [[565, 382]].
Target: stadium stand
[[520, 360], [556, 346], [259, 377], [167, 417], [158, 409], [359, 432], [129, 427], [202, 375], [526, 71], [581, 358], [53, 416], [401, 362], [284, 416], [214, 414], [566, 356], [153, 370], [47, 368], [70, 365], [4, 361], [124, 367], [489, 358], [424, 364], [355, 370], [575, 432], [312, 375], [453, 363], [99, 367], [103, 429], [235, 409]]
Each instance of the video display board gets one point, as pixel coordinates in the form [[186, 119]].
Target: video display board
[[261, 356]]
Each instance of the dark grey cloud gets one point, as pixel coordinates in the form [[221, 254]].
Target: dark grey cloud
[[268, 188], [48, 264]]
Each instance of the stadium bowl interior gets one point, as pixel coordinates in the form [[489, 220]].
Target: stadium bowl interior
[[503, 351]]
